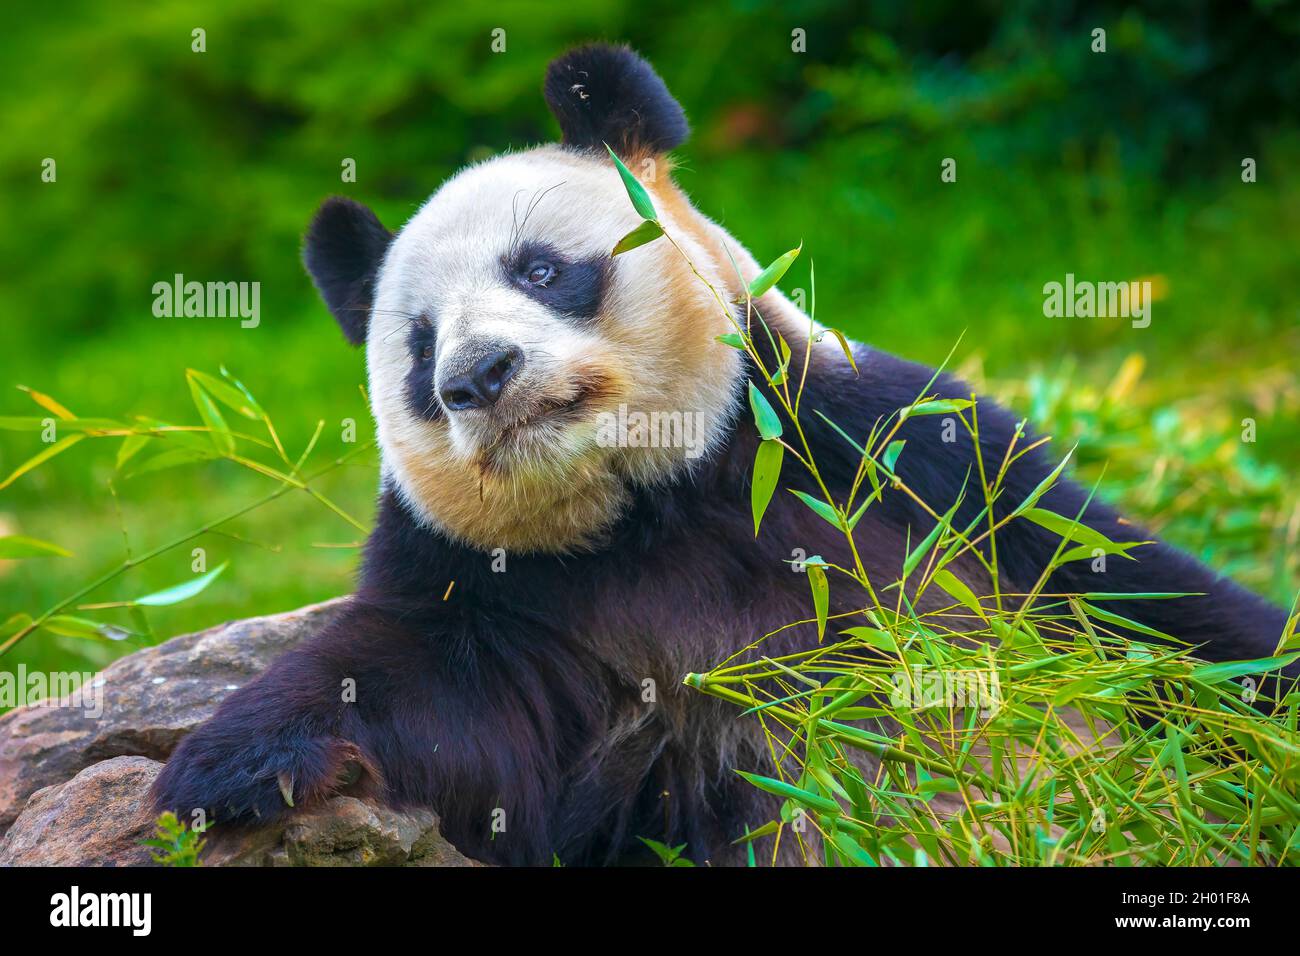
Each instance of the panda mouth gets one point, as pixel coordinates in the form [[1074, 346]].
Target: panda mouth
[[549, 411]]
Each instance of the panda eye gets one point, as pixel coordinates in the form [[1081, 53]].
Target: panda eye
[[426, 353], [540, 273]]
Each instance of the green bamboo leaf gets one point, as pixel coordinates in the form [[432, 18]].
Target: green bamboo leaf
[[62, 445], [234, 397], [1109, 618], [1043, 485], [130, 446], [1073, 530], [67, 625], [937, 407], [873, 636], [767, 829], [765, 417], [635, 191], [218, 430], [773, 273], [27, 424], [890, 457], [648, 231], [734, 339], [790, 791], [182, 591], [954, 586], [16, 546], [845, 347], [821, 593], [767, 469], [821, 508], [1229, 670], [172, 458], [922, 549]]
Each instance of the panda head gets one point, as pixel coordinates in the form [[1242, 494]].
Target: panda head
[[503, 340]]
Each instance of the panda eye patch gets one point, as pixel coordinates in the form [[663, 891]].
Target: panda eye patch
[[541, 274], [568, 286]]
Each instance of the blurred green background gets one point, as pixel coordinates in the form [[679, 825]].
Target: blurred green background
[[1113, 166]]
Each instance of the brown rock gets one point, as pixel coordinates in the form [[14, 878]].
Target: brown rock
[[74, 788], [151, 699], [97, 818], [100, 817]]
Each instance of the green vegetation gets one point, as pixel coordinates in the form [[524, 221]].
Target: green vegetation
[[1111, 167], [175, 845]]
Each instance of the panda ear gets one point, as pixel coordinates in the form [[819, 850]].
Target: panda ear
[[608, 94], [344, 248]]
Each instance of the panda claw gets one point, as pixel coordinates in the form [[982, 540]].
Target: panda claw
[[285, 779]]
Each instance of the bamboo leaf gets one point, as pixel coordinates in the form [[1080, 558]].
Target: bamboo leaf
[[1043, 485], [773, 273], [219, 431], [68, 625], [821, 593], [648, 231], [635, 191], [182, 591], [821, 508], [47, 403], [16, 546], [40, 458], [235, 398], [765, 417], [790, 791], [767, 470], [1228, 670], [845, 347], [890, 457], [954, 586]]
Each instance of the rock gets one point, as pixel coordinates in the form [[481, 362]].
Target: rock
[[73, 788], [100, 818], [97, 818], [151, 699], [344, 831]]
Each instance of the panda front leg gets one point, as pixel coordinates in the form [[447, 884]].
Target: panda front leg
[[373, 707], [284, 740]]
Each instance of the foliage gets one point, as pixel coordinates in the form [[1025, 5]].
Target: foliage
[[176, 845]]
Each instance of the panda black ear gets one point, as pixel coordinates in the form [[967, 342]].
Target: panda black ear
[[344, 248], [608, 94]]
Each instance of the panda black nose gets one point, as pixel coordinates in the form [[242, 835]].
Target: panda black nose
[[482, 385]]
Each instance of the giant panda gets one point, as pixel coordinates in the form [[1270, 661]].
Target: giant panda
[[498, 329]]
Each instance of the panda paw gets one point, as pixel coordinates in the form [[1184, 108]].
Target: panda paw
[[216, 776]]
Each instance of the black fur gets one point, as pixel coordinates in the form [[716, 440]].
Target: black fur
[[343, 251], [522, 691], [607, 94], [577, 287], [422, 346]]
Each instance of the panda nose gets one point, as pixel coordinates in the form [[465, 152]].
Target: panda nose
[[481, 386]]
